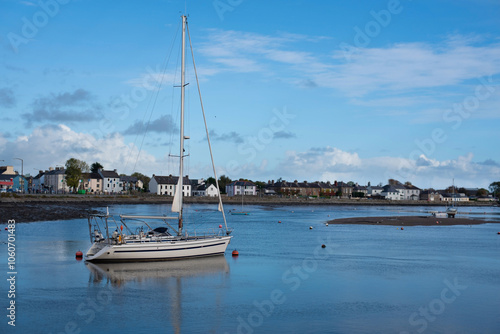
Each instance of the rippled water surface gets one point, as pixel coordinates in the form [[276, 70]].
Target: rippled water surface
[[367, 279]]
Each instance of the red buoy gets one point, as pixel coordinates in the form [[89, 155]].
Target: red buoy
[[402, 228], [235, 253], [220, 225], [498, 232], [6, 228], [323, 246], [279, 221], [79, 255]]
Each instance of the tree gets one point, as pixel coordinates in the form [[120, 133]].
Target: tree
[[94, 168], [482, 192], [495, 189], [211, 180], [74, 170], [223, 182], [145, 180]]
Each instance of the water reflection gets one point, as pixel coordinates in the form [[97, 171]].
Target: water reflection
[[120, 273], [169, 276]]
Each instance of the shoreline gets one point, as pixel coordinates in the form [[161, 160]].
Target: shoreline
[[40, 207], [409, 221]]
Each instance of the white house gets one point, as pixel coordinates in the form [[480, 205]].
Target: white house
[[205, 190], [410, 192], [392, 193], [374, 190], [241, 188], [110, 181], [55, 180], [165, 185]]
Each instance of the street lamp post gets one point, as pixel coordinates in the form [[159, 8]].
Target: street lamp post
[[22, 173]]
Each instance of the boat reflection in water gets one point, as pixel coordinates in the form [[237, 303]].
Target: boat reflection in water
[[169, 277], [121, 272]]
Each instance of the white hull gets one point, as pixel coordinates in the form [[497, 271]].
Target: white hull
[[157, 251]]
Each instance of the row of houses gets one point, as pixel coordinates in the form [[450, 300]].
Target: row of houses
[[11, 180], [395, 191], [166, 185], [53, 180]]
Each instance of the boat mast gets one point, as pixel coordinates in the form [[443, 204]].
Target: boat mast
[[181, 153]]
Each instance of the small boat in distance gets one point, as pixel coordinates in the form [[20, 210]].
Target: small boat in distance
[[451, 211], [242, 186], [136, 238]]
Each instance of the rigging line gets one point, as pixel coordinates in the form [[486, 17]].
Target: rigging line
[[158, 88], [221, 207], [177, 113], [165, 62]]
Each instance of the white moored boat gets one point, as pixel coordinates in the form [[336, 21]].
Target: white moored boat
[[129, 242]]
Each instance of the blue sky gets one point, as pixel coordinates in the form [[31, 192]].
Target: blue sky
[[306, 90]]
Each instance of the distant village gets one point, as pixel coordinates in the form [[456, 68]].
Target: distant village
[[101, 181]]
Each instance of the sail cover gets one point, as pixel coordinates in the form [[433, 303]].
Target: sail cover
[[176, 204]]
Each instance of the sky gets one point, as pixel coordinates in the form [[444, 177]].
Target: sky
[[359, 91]]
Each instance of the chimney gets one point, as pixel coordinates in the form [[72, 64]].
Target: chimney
[[335, 183]]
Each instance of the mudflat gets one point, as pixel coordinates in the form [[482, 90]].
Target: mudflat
[[409, 221]]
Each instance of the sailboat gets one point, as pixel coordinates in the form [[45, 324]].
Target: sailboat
[[241, 213], [146, 242], [451, 211]]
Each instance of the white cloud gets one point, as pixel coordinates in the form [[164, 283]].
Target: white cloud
[[52, 145], [392, 70], [330, 164]]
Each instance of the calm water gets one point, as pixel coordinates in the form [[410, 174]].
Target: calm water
[[368, 279]]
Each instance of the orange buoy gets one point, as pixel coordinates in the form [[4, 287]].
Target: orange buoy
[[121, 227], [79, 255], [235, 253], [402, 228]]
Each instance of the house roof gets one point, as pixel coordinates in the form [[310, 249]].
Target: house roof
[[126, 178], [201, 187], [390, 189], [109, 173], [4, 177], [342, 184], [91, 176], [171, 180], [242, 183]]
